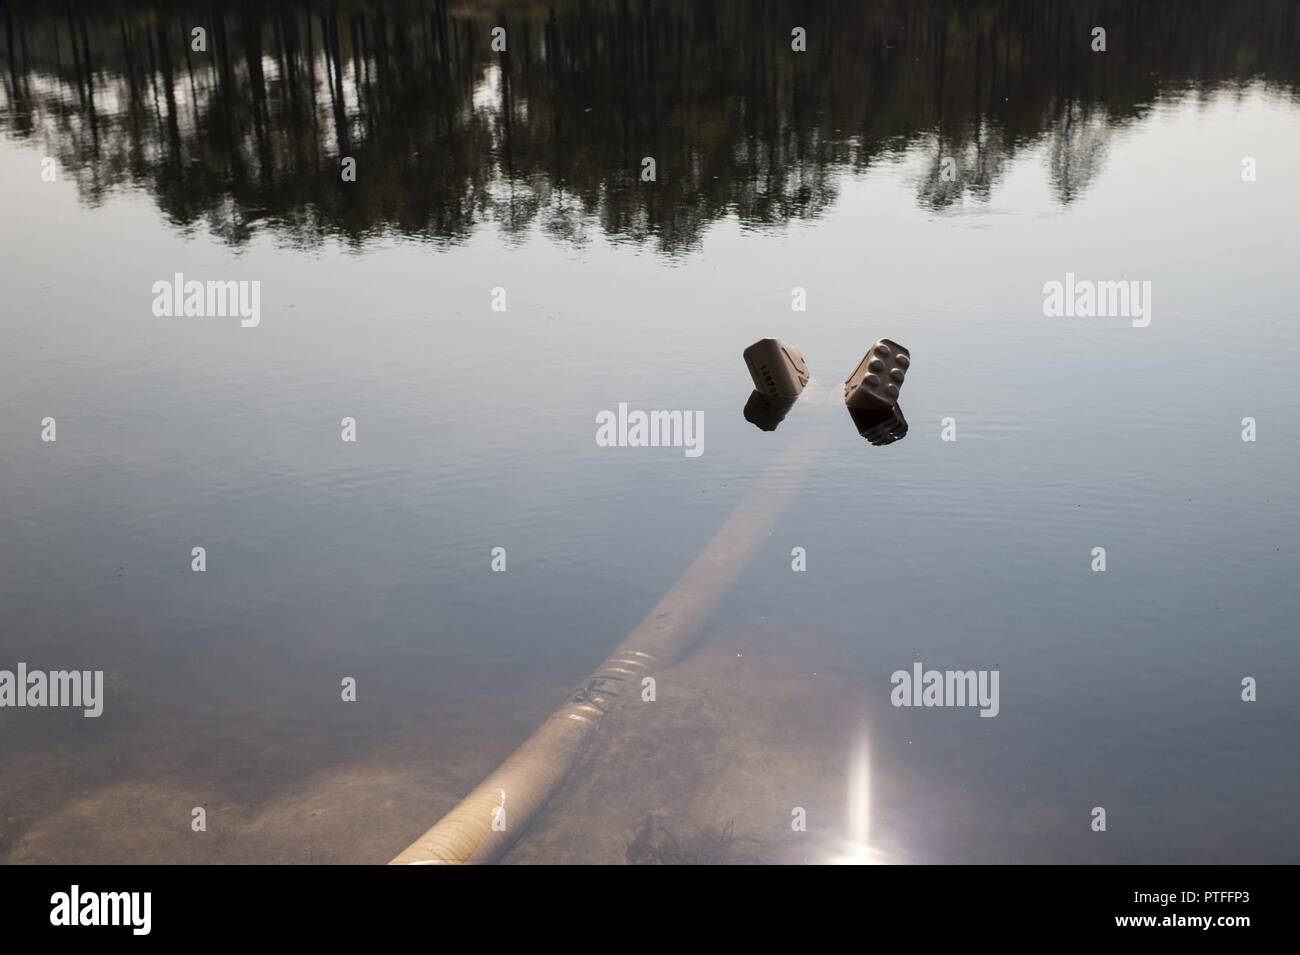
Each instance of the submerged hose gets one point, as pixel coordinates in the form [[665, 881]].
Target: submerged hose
[[483, 825]]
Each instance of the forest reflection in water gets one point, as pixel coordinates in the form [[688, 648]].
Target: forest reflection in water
[[446, 134]]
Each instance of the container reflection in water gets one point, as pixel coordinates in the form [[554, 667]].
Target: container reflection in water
[[765, 412], [880, 426]]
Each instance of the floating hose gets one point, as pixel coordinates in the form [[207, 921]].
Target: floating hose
[[483, 825]]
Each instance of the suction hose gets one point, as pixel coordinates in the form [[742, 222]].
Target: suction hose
[[486, 822]]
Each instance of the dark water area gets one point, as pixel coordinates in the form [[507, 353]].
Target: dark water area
[[920, 173]]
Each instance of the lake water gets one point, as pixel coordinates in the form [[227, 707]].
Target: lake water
[[475, 428]]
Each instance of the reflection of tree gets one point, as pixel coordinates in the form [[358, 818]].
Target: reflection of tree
[[1075, 149], [447, 134]]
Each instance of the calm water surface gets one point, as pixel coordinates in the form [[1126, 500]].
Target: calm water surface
[[476, 428]]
